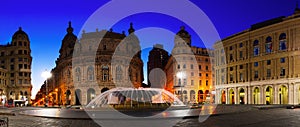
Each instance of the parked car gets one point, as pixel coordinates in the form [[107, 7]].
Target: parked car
[[74, 107], [293, 106]]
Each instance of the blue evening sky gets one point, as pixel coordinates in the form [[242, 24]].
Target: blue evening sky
[[46, 21]]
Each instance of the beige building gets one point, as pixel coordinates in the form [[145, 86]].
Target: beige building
[[260, 65], [189, 70], [93, 64], [15, 68]]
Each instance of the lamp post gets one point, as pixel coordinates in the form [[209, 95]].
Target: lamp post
[[46, 75], [180, 75]]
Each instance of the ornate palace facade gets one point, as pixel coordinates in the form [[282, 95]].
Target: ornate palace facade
[[15, 68], [260, 65], [96, 62], [189, 70]]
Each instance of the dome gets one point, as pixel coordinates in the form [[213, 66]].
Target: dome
[[20, 33], [182, 31]]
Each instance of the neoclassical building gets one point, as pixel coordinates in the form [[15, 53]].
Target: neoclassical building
[[93, 64], [15, 68], [189, 70], [260, 65]]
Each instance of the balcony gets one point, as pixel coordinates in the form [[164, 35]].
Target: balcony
[[25, 70]]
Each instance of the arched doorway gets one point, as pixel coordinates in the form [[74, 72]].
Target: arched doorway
[[283, 95], [231, 96], [68, 97], [256, 95], [104, 89], [192, 96], [207, 96], [242, 96], [223, 97], [200, 96], [269, 95], [77, 97], [90, 95]]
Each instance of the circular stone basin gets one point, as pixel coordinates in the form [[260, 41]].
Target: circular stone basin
[[139, 102]]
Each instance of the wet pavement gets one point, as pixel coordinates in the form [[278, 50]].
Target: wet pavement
[[249, 116]]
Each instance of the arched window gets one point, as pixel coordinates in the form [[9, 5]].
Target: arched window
[[255, 48], [119, 72], [105, 73], [268, 45], [282, 41], [90, 73], [78, 73]]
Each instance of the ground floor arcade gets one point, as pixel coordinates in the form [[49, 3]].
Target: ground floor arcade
[[279, 93]]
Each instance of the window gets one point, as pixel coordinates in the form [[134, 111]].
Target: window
[[78, 74], [268, 62], [255, 74], [12, 74], [200, 82], [255, 48], [19, 51], [20, 66], [206, 83], [206, 60], [184, 66], [230, 57], [241, 66], [105, 73], [104, 47], [241, 44], [20, 81], [255, 64], [12, 60], [25, 52], [282, 60], [241, 54], [241, 77], [178, 66], [20, 59], [268, 45], [282, 41], [231, 77], [230, 48], [192, 66], [192, 82], [200, 74], [231, 68], [206, 67], [282, 71], [119, 72], [12, 67], [192, 73], [25, 43], [179, 82], [199, 67], [268, 73], [90, 73], [206, 75], [2, 53], [184, 82]]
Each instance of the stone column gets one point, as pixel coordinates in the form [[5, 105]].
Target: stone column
[[262, 95], [249, 95], [276, 94], [291, 93]]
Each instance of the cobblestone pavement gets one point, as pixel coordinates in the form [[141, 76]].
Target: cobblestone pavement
[[275, 117]]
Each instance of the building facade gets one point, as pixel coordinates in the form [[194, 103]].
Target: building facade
[[157, 59], [15, 68], [189, 70], [93, 64], [260, 65]]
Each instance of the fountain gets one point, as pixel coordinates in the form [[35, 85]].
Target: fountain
[[121, 98]]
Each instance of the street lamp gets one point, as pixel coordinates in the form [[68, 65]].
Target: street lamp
[[180, 76], [46, 75]]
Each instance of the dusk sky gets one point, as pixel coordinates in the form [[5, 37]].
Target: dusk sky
[[46, 21]]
